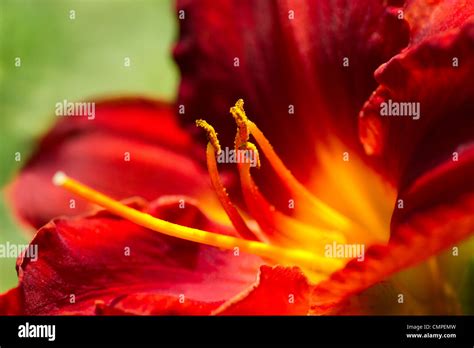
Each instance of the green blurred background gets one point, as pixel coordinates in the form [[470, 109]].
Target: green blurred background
[[73, 59]]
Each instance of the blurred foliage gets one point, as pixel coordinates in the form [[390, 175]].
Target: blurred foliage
[[73, 59], [442, 284], [467, 288]]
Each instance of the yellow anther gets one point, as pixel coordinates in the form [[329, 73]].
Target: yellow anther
[[241, 119], [248, 146], [211, 134], [238, 112], [242, 137]]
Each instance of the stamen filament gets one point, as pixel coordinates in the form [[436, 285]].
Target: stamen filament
[[311, 210], [296, 257], [212, 148], [316, 208], [224, 199], [279, 227]]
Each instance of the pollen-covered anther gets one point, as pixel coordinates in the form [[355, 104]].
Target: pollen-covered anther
[[211, 134], [241, 120], [250, 147]]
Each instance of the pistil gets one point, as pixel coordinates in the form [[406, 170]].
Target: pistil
[[296, 257]]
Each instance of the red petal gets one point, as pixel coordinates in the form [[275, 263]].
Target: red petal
[[436, 190], [11, 302], [283, 62], [278, 291], [154, 304], [87, 257], [429, 18], [93, 151], [423, 73]]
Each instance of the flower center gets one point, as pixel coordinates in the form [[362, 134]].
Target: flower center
[[278, 238]]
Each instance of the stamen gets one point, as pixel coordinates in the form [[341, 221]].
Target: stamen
[[211, 134], [248, 146], [313, 210], [296, 257], [241, 120], [275, 224], [221, 192]]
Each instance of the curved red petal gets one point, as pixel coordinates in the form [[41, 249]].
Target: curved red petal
[[101, 260], [132, 147], [286, 60], [278, 291], [433, 75], [11, 302], [149, 120], [429, 159]]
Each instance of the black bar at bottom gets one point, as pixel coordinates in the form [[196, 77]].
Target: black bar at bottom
[[415, 330]]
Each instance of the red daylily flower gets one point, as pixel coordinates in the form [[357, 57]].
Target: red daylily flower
[[401, 187]]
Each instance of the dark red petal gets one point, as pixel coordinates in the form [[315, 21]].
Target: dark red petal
[[284, 62], [11, 302], [86, 259], [138, 118], [163, 159], [278, 291], [423, 73], [430, 160]]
